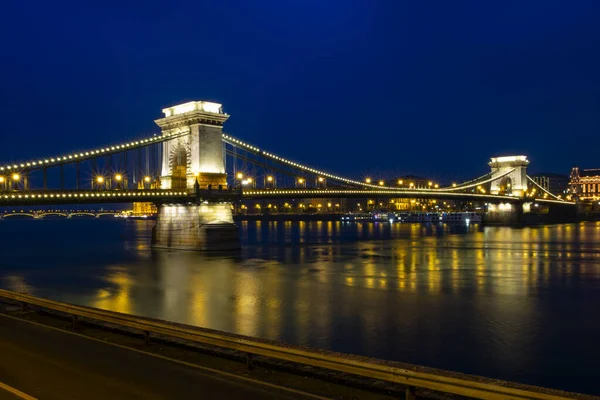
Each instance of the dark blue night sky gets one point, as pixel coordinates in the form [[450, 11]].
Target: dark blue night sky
[[357, 88]]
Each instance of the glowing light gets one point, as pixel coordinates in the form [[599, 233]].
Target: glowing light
[[99, 179], [430, 183], [400, 181], [411, 184], [381, 183], [454, 185], [16, 177], [118, 177], [270, 178], [239, 175], [249, 180], [436, 186], [320, 179], [509, 159], [368, 180], [328, 204], [147, 179], [300, 180], [2, 179], [205, 106]]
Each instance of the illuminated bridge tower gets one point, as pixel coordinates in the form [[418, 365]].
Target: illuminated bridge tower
[[195, 157], [199, 155], [512, 175], [511, 180]]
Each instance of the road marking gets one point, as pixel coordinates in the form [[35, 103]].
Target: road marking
[[196, 366], [16, 392]]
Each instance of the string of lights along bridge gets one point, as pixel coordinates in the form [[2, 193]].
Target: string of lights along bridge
[[193, 172]]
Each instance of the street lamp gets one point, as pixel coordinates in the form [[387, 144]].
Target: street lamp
[[118, 178], [97, 181], [400, 181], [15, 177], [239, 175], [146, 179], [381, 183], [368, 180]]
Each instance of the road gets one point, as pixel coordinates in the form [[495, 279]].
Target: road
[[49, 364]]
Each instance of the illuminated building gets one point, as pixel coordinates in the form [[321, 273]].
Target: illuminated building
[[585, 183], [144, 208]]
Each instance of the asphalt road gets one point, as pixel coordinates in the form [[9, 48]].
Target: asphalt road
[[49, 364]]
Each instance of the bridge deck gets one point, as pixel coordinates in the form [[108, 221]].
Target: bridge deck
[[45, 197]]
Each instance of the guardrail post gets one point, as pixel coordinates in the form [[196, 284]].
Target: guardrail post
[[249, 360], [410, 393]]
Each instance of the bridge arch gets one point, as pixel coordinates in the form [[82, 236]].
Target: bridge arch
[[46, 214], [19, 215]]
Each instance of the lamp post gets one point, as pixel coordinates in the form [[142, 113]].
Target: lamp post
[[269, 182], [99, 182], [118, 179], [16, 178]]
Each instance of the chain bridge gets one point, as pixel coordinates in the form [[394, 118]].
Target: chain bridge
[[194, 172]]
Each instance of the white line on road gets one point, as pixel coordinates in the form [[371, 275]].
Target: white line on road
[[16, 392], [216, 372]]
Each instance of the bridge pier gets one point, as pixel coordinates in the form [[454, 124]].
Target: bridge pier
[[202, 227], [508, 214]]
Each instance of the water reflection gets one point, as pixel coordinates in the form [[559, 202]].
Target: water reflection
[[499, 302]]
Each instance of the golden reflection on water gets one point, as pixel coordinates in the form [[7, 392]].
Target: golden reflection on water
[[375, 289], [119, 299]]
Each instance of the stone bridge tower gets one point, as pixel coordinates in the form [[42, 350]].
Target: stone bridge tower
[[199, 155], [512, 175]]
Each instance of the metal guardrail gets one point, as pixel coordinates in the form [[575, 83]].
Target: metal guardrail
[[397, 373]]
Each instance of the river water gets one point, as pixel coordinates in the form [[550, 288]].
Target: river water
[[515, 304]]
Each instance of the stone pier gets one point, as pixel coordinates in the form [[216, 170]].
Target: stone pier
[[508, 214], [194, 161], [195, 227]]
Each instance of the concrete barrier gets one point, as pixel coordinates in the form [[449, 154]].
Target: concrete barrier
[[411, 376]]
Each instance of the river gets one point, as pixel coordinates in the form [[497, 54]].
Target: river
[[515, 304]]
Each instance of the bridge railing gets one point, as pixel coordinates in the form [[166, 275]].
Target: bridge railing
[[410, 376]]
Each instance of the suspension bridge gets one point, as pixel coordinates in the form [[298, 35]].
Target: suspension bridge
[[193, 172]]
